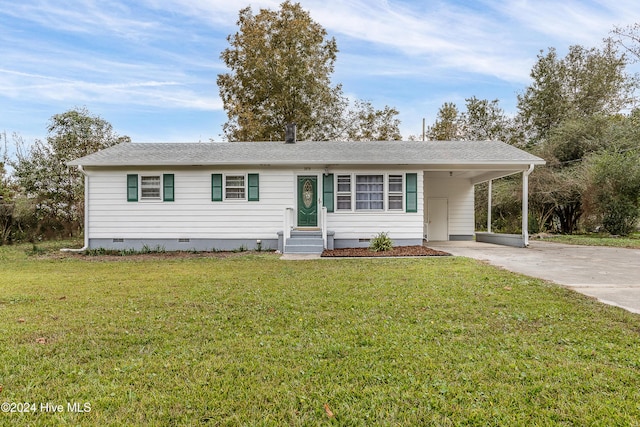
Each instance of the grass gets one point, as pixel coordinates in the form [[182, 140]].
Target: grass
[[598, 239], [253, 340]]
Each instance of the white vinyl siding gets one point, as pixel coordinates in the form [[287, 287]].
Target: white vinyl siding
[[192, 214], [460, 197]]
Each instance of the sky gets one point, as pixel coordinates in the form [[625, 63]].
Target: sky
[[149, 67]]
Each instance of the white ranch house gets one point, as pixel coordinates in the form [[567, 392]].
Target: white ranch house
[[294, 197]]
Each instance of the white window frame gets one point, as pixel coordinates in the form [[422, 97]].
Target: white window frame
[[388, 194], [396, 193], [369, 192], [244, 187], [344, 194], [141, 196]]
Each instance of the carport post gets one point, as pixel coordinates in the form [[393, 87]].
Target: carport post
[[525, 205], [489, 207]]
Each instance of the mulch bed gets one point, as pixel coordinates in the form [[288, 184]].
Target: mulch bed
[[416, 250]]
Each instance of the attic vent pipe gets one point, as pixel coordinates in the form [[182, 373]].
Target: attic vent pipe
[[290, 133]]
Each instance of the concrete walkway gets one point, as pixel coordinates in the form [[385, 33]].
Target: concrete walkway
[[611, 275]]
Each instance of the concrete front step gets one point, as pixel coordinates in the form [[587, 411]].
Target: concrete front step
[[304, 242], [303, 249], [306, 233]]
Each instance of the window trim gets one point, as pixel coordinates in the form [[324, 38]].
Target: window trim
[[159, 187], [369, 201], [396, 193], [405, 194], [251, 187], [166, 187], [226, 187], [339, 193]]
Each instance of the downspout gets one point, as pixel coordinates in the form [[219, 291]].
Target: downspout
[[525, 205], [86, 215], [489, 203]]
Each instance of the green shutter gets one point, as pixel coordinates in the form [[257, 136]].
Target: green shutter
[[327, 191], [412, 192], [216, 187], [167, 187], [132, 188], [254, 187]]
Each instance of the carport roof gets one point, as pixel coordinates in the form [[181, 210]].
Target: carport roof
[[321, 153]]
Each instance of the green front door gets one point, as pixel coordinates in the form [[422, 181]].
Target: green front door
[[307, 201]]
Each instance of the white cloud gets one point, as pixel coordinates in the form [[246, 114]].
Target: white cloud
[[88, 16], [163, 94], [571, 21]]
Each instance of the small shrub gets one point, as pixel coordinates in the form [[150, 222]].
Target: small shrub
[[146, 249], [621, 217], [36, 250], [381, 242]]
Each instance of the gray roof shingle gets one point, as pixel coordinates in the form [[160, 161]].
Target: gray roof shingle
[[310, 153]]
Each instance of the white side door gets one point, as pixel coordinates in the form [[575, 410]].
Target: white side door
[[437, 219]]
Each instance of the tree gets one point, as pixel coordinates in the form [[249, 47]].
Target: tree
[[629, 38], [42, 173], [5, 188], [447, 126], [6, 205], [485, 120], [281, 63], [571, 110], [584, 83], [482, 120], [365, 123], [614, 189]]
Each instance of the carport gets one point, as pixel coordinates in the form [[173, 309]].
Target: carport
[[449, 194]]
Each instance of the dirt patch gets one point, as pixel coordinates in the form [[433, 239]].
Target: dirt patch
[[416, 250]]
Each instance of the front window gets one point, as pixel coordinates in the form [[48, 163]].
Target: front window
[[344, 192], [369, 192], [395, 192], [234, 188], [150, 187]]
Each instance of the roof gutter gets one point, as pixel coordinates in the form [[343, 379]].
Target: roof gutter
[[86, 215]]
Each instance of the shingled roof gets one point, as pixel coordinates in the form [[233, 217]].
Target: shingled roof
[[310, 153]]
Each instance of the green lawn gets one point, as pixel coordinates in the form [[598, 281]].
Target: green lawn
[[597, 239], [253, 340]]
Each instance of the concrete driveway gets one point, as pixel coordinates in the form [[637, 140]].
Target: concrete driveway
[[611, 275]]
